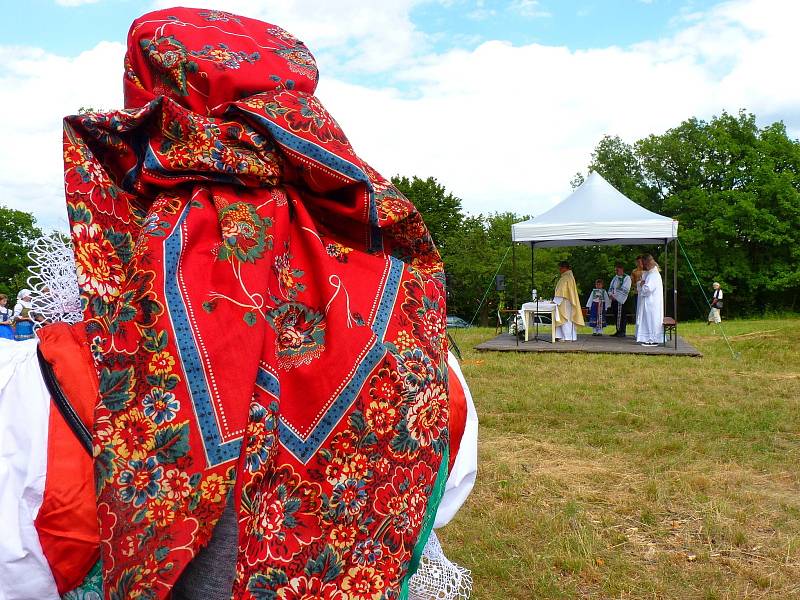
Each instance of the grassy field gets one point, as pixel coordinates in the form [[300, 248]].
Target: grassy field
[[611, 476]]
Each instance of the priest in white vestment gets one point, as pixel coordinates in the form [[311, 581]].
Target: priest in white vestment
[[650, 309], [568, 305]]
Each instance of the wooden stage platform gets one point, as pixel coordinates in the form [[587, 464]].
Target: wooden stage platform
[[586, 343]]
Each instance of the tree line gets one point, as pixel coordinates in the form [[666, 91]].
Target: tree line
[[733, 186]]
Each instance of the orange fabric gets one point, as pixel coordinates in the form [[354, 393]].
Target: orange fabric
[[458, 414], [67, 521]]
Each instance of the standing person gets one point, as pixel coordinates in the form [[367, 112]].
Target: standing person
[[23, 319], [618, 290], [597, 304], [650, 310], [636, 277], [716, 304], [6, 330], [568, 311], [266, 321]]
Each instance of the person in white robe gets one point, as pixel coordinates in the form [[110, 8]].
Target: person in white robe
[[568, 312], [650, 310]]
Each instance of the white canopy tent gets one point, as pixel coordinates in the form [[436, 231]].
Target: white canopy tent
[[597, 214]]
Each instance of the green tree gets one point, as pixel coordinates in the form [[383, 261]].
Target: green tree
[[735, 188], [440, 209], [17, 231]]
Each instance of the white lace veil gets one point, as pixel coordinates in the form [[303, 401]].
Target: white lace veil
[[437, 578], [53, 281]]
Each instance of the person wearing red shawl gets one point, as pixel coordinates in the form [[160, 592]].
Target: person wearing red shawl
[[264, 322]]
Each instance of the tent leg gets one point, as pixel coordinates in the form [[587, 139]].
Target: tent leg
[[666, 271], [675, 290], [514, 273]]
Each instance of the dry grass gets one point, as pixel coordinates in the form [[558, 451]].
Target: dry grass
[[608, 476]]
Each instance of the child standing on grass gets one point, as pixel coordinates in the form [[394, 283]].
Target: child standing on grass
[[597, 304]]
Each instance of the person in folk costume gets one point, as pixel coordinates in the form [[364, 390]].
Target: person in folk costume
[[650, 310], [568, 314], [716, 304], [598, 303], [47, 500], [262, 364], [6, 319], [22, 317], [619, 289]]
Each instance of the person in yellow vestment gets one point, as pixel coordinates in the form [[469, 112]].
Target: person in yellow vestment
[[568, 314]]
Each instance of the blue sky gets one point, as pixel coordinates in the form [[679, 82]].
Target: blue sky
[[577, 24], [502, 101]]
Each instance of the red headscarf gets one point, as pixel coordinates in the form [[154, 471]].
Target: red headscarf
[[267, 315]]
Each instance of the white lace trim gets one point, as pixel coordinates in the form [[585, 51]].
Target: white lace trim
[[54, 282], [437, 578]]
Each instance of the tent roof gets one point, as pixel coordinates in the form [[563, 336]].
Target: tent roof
[[596, 213]]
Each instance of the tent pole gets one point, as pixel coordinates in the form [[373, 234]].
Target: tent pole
[[514, 273], [666, 270], [675, 290], [533, 267]]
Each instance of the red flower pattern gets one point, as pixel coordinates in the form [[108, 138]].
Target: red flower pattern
[[179, 192]]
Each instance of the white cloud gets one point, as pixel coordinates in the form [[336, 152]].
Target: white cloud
[[504, 127], [37, 90], [528, 8]]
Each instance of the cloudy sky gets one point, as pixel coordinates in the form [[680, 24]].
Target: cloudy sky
[[502, 101]]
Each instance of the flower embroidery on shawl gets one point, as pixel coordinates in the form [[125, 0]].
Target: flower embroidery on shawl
[[306, 588], [140, 481], [414, 367], [218, 15], [283, 515], [262, 435], [244, 235], [337, 251], [223, 57], [305, 113], [134, 435], [288, 276], [423, 307], [300, 61], [95, 263], [400, 502], [427, 416], [300, 334], [84, 178], [160, 406], [295, 53], [169, 56], [363, 583]]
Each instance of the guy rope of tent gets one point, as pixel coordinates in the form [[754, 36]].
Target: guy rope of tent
[[489, 287], [735, 355]]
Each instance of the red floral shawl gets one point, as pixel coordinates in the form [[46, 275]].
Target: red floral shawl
[[266, 314]]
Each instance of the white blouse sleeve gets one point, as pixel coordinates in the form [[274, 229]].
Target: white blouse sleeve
[[465, 468], [24, 416]]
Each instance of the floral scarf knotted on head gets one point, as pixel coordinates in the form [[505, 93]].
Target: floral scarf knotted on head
[[268, 319]]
